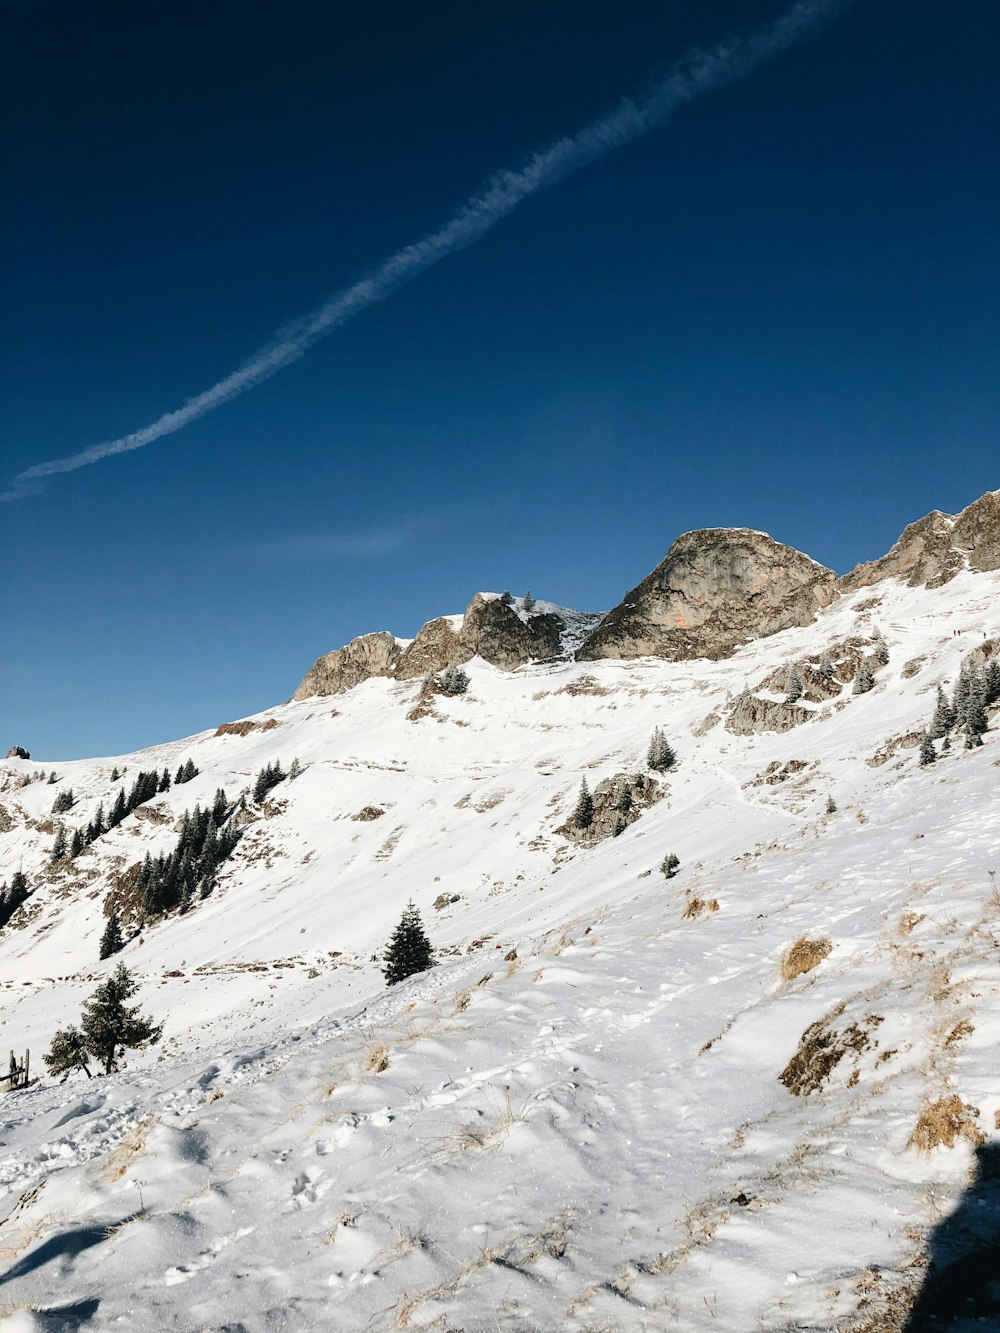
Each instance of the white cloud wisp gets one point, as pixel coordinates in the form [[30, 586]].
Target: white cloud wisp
[[698, 72]]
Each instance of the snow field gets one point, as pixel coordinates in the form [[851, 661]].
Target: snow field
[[582, 1128]]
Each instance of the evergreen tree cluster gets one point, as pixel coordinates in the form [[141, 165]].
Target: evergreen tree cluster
[[108, 1027], [206, 840], [965, 711], [12, 896], [63, 802], [659, 756], [409, 950], [185, 773], [269, 776]]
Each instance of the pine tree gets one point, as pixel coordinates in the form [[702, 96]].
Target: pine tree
[[793, 687], [67, 1052], [976, 721], [659, 756], [528, 603], [63, 802], [110, 1026], [863, 680], [164, 781], [115, 775], [76, 844], [13, 896], [506, 597], [831, 806], [294, 770], [583, 815], [991, 682], [59, 846], [944, 717], [826, 668], [453, 680], [670, 865], [118, 810], [927, 753], [179, 776], [53, 778], [881, 650], [624, 802], [112, 940], [409, 950]]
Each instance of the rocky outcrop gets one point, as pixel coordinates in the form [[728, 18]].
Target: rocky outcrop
[[715, 590], [618, 801], [370, 655], [977, 532], [17, 752], [934, 549], [751, 716], [489, 629]]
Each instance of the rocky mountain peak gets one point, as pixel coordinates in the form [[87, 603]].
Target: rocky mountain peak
[[936, 547], [715, 589], [501, 633]]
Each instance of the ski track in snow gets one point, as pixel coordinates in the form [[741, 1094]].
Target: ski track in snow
[[575, 1121]]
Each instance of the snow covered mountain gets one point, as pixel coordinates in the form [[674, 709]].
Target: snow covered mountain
[[744, 1096]]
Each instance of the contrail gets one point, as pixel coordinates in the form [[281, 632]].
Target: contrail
[[698, 72]]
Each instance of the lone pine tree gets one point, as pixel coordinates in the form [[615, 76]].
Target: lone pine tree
[[108, 1027], [659, 756], [583, 815], [112, 941], [409, 950]]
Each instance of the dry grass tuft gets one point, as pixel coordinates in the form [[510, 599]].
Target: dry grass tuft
[[128, 1150], [696, 907], [367, 813], [378, 1059], [803, 956], [962, 1029], [909, 921], [944, 1121]]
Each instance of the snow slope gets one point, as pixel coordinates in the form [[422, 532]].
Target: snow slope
[[575, 1121]]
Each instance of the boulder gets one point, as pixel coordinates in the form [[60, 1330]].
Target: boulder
[[17, 752]]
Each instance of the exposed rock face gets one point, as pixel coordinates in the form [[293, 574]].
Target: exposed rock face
[[934, 549], [489, 629], [370, 655], [618, 802], [751, 715], [716, 589], [16, 752], [977, 532]]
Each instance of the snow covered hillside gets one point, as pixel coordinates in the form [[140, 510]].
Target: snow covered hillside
[[620, 1100]]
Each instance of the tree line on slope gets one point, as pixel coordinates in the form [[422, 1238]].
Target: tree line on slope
[[145, 786], [964, 712]]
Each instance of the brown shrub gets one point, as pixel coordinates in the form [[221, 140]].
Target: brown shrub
[[368, 813], [821, 1048], [803, 956], [944, 1121]]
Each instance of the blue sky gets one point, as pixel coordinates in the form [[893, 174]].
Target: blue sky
[[779, 310]]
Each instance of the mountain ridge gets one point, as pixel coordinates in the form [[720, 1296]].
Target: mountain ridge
[[715, 589]]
